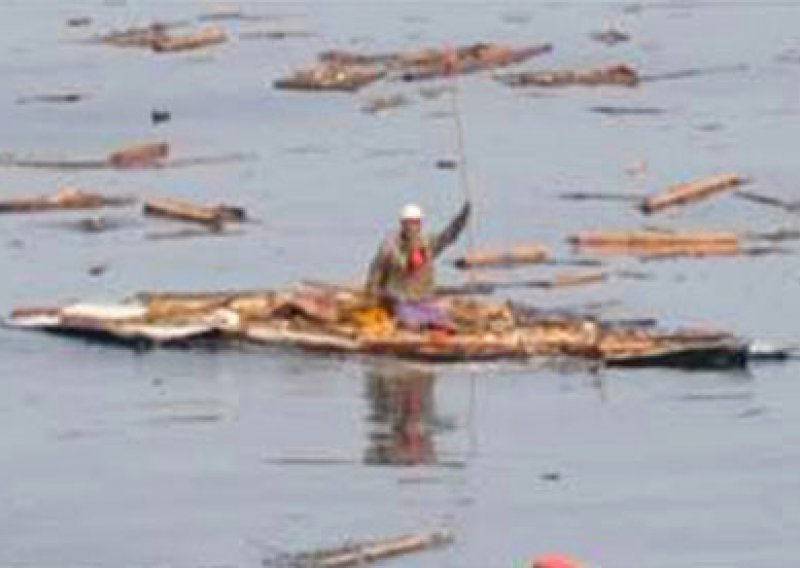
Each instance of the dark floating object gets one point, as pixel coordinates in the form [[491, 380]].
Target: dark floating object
[[627, 111], [446, 164], [159, 116], [79, 22], [714, 355], [695, 72], [610, 36], [385, 102], [56, 98], [790, 206], [97, 270], [98, 224], [595, 196]]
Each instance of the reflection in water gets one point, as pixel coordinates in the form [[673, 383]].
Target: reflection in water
[[402, 415]]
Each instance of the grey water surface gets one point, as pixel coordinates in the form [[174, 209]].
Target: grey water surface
[[224, 459]]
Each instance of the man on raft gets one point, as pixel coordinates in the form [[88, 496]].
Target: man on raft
[[402, 277]]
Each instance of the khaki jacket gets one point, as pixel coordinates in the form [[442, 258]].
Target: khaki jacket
[[389, 277]]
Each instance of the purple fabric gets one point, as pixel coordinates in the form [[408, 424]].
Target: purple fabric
[[421, 314]]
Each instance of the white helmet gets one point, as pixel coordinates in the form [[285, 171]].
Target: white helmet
[[411, 212]]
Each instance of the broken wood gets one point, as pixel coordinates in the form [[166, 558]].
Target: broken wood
[[138, 36], [701, 252], [204, 37], [691, 191], [432, 64], [618, 74], [275, 34], [56, 98], [331, 77], [652, 244], [361, 553], [213, 217], [105, 164], [139, 155], [695, 72], [610, 36], [595, 196], [385, 102], [790, 206], [65, 198], [519, 254], [626, 111]]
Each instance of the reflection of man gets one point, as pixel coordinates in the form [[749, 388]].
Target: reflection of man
[[402, 273], [402, 413]]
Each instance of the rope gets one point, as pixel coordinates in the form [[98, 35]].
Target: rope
[[462, 155]]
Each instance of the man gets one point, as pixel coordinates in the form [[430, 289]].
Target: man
[[402, 273]]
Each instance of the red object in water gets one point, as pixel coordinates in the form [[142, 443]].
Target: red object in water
[[556, 561]]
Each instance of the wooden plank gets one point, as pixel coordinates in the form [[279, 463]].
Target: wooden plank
[[689, 192], [139, 155], [618, 74], [213, 217], [526, 253], [65, 198], [204, 37]]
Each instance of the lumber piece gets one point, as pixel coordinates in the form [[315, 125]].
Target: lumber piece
[[367, 552], [139, 155], [518, 254], [689, 192], [644, 239], [212, 216], [331, 77], [617, 74], [790, 206], [203, 37], [65, 198]]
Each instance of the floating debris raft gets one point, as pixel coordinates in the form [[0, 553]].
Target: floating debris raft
[[158, 37], [519, 254], [618, 74], [204, 37], [466, 59], [331, 77], [339, 320], [689, 192], [212, 216], [141, 37], [65, 198], [349, 71]]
